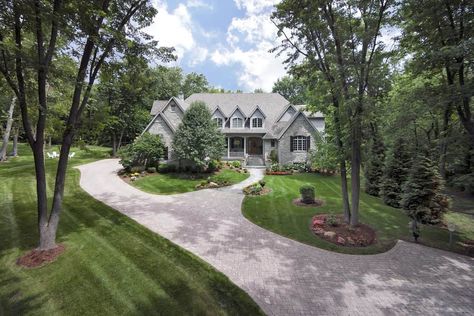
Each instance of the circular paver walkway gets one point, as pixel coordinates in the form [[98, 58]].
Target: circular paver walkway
[[283, 276]]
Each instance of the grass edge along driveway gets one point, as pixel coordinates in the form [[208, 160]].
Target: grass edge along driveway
[[112, 265], [173, 183], [277, 213]]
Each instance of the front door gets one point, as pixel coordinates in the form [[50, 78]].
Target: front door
[[254, 146]]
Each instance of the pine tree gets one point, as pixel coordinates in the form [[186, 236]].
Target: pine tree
[[198, 138], [395, 174], [374, 165], [421, 193]]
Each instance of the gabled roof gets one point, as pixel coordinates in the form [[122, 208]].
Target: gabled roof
[[270, 104], [179, 103], [164, 119], [292, 120], [218, 109], [257, 108], [284, 111], [158, 106], [237, 108]]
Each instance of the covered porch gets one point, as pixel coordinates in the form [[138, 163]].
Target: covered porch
[[244, 146]]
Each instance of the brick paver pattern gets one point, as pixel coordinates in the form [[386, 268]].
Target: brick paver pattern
[[283, 276]]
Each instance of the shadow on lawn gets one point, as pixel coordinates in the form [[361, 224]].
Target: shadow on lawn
[[13, 302]]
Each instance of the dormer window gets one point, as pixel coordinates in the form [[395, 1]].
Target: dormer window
[[257, 122], [173, 107], [219, 121], [237, 122]]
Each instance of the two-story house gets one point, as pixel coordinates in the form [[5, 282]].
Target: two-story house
[[254, 124]]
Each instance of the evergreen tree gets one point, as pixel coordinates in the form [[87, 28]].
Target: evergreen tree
[[374, 166], [198, 138], [395, 174], [421, 193]]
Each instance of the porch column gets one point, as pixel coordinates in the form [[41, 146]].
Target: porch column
[[245, 145], [228, 147]]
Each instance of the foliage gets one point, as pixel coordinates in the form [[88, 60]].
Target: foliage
[[213, 165], [273, 156], [395, 173], [236, 164], [145, 151], [253, 189], [197, 138], [375, 165], [194, 83], [331, 220], [307, 192], [262, 183], [422, 196], [291, 88], [166, 168], [325, 156], [464, 182]]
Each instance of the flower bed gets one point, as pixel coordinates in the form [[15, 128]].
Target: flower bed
[[333, 229], [278, 173]]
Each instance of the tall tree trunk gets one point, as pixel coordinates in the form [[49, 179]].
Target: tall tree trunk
[[6, 134], [356, 134], [342, 162], [15, 142], [443, 146], [114, 144], [119, 145]]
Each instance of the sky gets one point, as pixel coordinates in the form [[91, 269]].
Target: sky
[[226, 40]]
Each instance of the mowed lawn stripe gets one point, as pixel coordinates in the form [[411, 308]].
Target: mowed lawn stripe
[[112, 265]]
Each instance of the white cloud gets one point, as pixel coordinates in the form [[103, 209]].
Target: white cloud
[[199, 4], [260, 69], [198, 56], [175, 28], [255, 6]]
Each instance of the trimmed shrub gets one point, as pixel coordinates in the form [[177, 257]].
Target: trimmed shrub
[[145, 151], [166, 168], [213, 166], [307, 193], [273, 156], [331, 220], [236, 164], [151, 170], [262, 183]]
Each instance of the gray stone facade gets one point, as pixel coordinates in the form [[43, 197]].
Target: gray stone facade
[[266, 119], [299, 127]]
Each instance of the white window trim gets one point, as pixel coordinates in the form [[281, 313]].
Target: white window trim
[[219, 118], [232, 122], [300, 140], [254, 118]]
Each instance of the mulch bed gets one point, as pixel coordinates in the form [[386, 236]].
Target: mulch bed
[[278, 173], [264, 191], [342, 234], [316, 203], [38, 258]]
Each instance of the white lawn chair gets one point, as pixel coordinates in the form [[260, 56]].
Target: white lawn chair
[[72, 154], [55, 154], [50, 155]]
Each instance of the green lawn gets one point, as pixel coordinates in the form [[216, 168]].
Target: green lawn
[[172, 183], [277, 213], [112, 265]]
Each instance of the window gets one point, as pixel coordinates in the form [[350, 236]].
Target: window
[[273, 143], [257, 122], [237, 122], [173, 107], [219, 121], [299, 143]]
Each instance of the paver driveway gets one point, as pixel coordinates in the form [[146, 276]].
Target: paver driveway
[[283, 276]]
